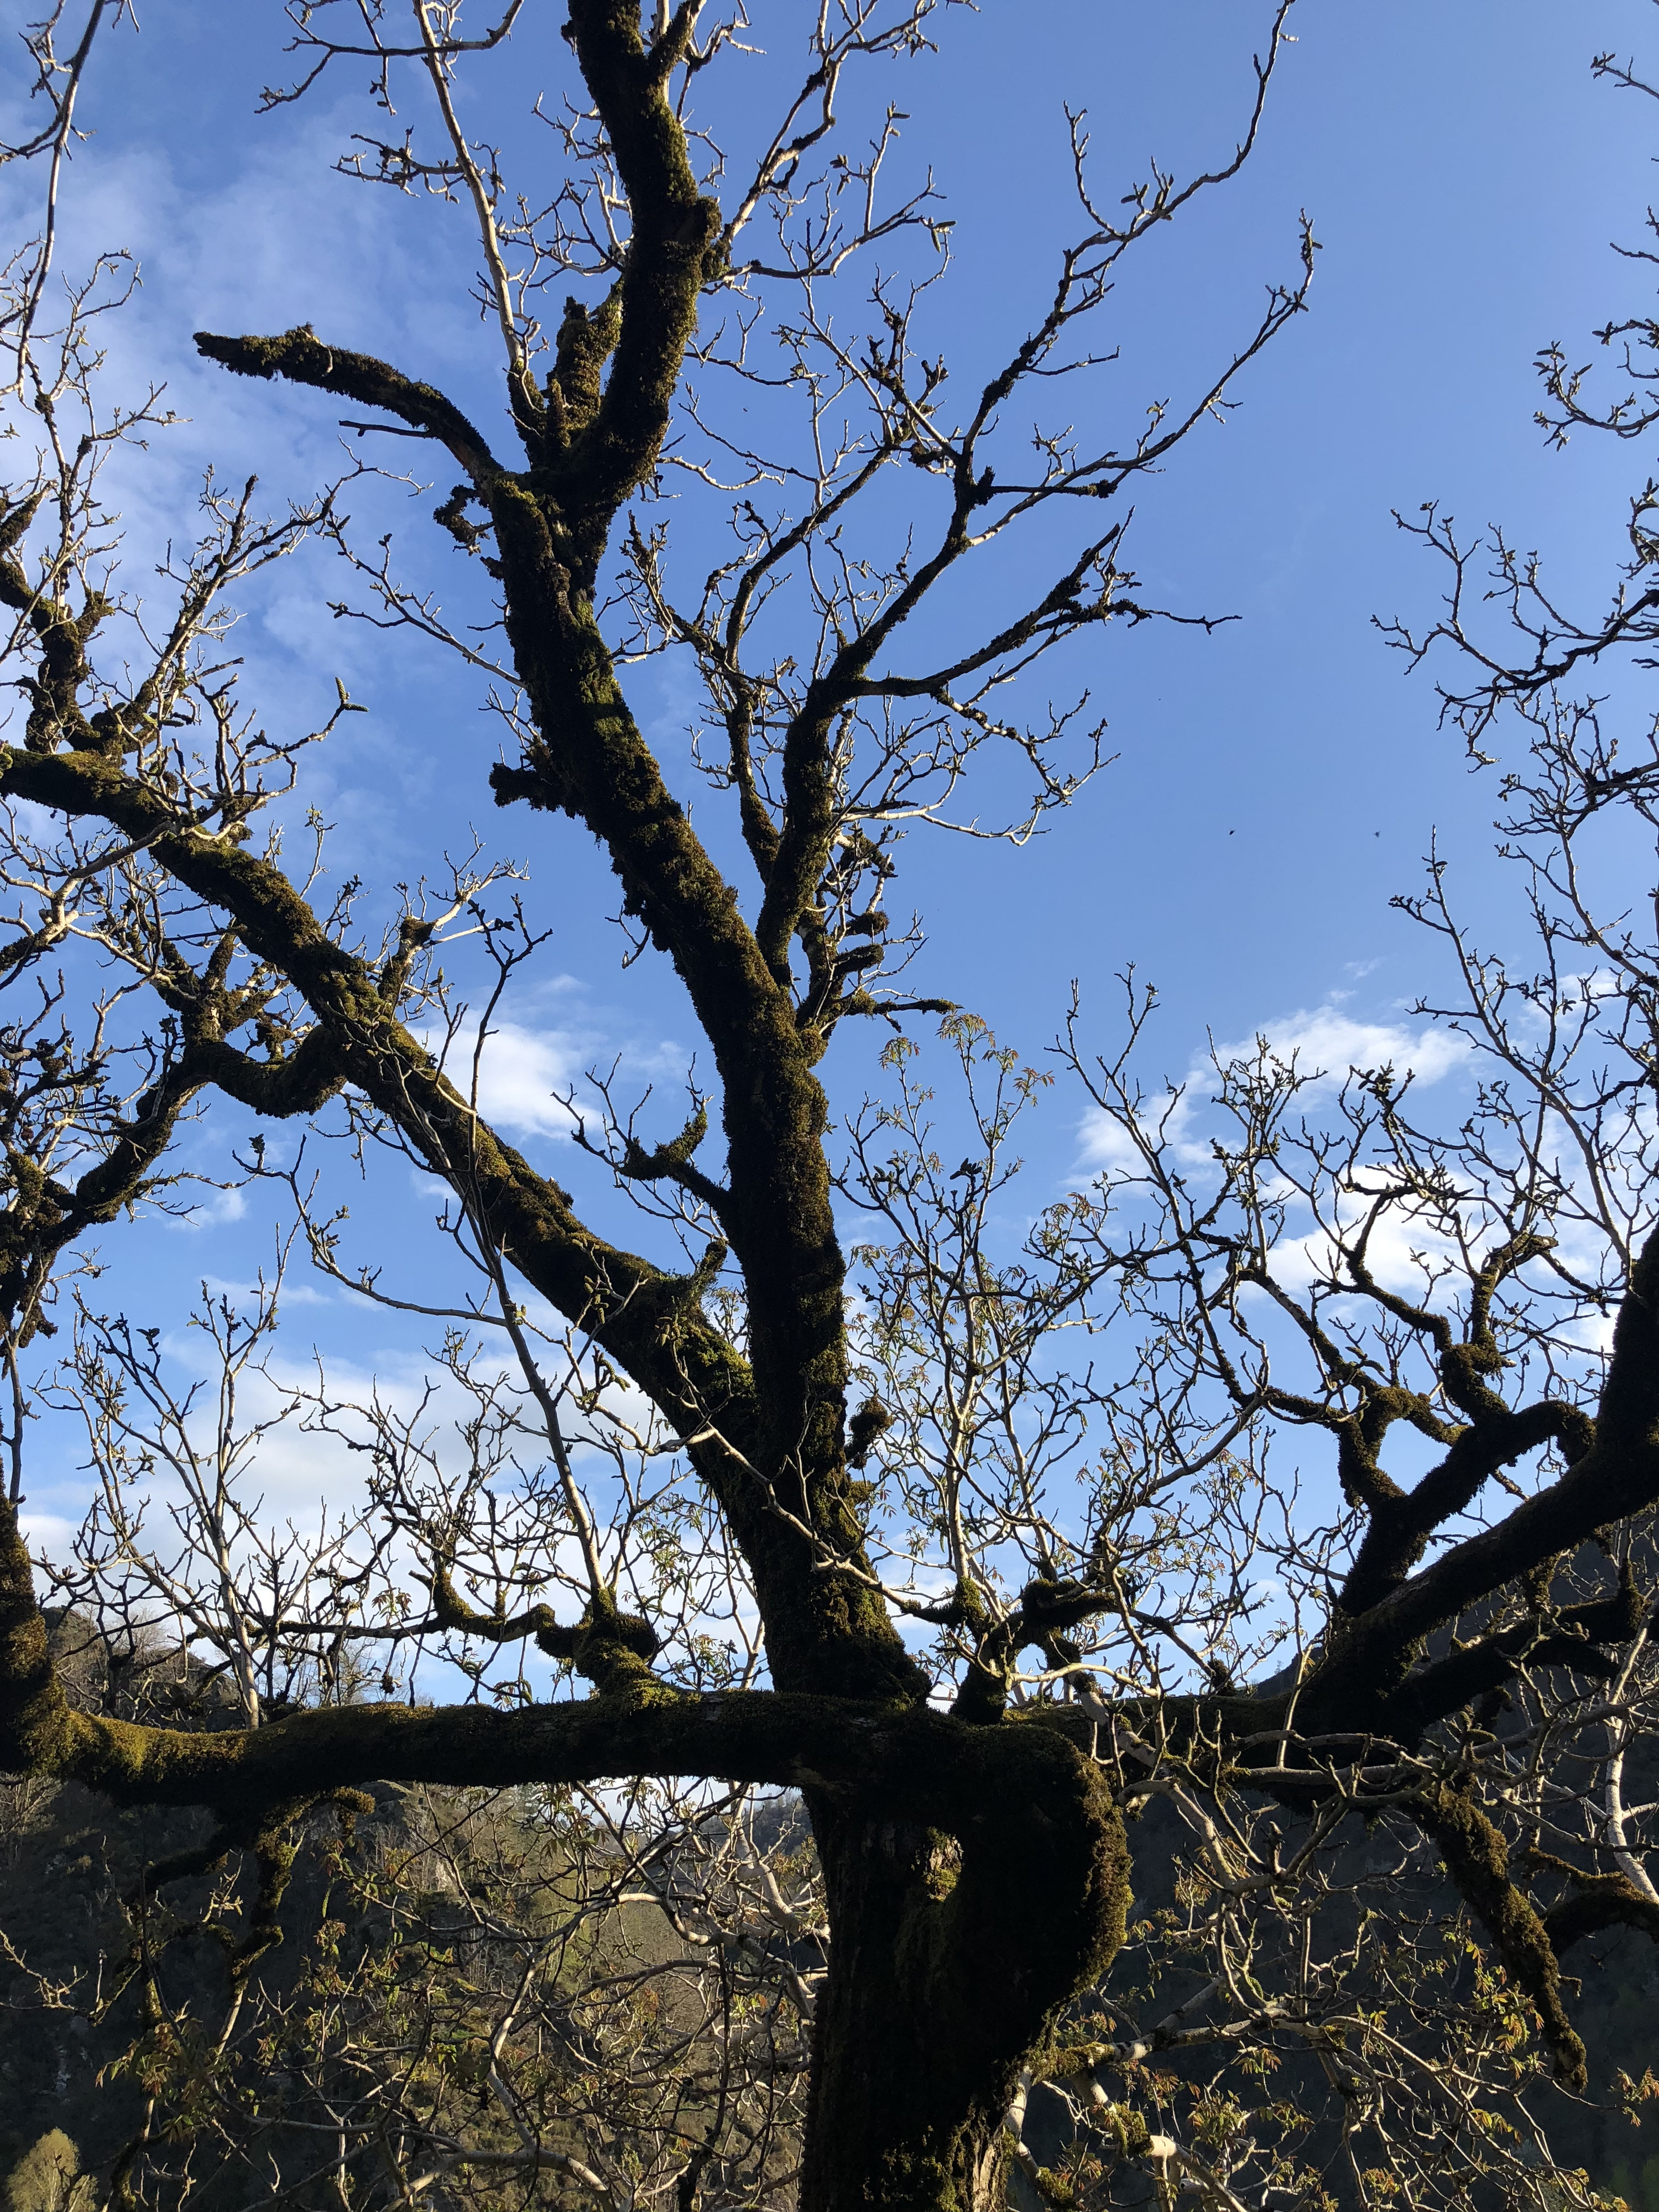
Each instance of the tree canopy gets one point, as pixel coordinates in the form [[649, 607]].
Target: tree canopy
[[1205, 1630]]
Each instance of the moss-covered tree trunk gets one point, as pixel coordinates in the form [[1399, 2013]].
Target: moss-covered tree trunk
[[957, 1940]]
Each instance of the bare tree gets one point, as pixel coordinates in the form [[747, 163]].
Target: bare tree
[[981, 1553]]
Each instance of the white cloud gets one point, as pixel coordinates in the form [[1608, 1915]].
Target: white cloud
[[1323, 1042], [531, 1075], [1398, 1245], [211, 1210], [1329, 1042], [48, 1533], [1107, 1146], [523, 1075]]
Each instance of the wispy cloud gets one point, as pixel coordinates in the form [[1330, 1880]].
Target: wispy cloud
[[534, 1076], [1325, 1043]]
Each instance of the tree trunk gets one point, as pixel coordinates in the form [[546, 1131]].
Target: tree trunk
[[956, 1939]]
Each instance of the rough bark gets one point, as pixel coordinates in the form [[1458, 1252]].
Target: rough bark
[[957, 1942]]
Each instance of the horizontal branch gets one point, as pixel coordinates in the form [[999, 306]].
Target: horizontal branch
[[1571, 1639], [1599, 1902]]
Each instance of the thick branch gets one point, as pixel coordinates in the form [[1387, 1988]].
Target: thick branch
[[1600, 1901], [300, 355], [1617, 1476], [651, 1323], [1401, 1525], [1477, 1858], [1572, 1638], [623, 1297], [925, 1767], [675, 232], [45, 1217]]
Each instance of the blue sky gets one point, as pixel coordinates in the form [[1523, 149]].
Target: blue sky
[[1274, 783]]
